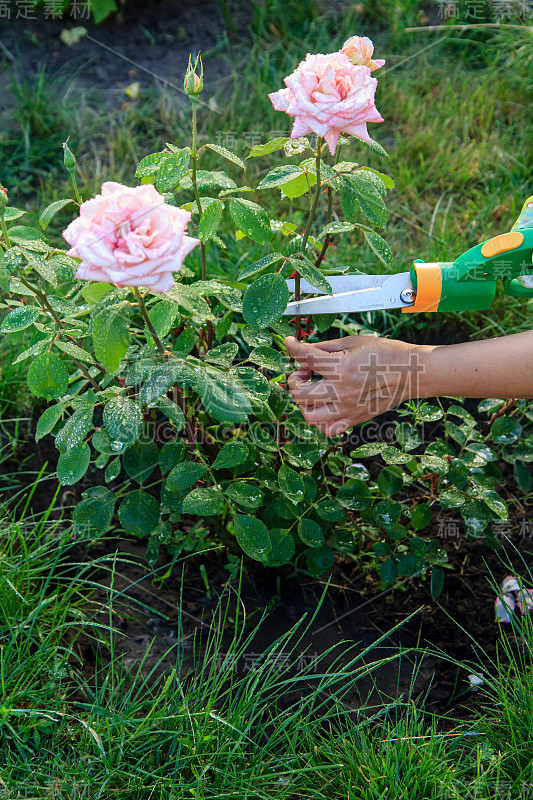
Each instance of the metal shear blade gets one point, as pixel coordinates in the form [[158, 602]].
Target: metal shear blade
[[352, 293]]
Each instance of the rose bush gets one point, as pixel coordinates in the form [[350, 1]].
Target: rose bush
[[165, 385]]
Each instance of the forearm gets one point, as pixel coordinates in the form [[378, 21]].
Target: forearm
[[501, 367]]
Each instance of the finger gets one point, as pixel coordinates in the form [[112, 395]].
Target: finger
[[337, 427], [310, 356], [297, 380], [315, 392], [345, 343], [320, 414]]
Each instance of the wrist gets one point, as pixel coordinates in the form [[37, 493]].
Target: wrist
[[425, 371]]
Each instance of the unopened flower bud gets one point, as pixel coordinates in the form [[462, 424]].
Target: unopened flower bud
[[193, 84], [68, 158], [3, 197]]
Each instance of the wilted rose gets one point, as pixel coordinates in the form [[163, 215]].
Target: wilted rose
[[359, 50], [130, 237], [328, 95]]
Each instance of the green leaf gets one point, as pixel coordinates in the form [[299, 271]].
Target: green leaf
[[407, 436], [172, 170], [307, 270], [386, 179], [48, 420], [185, 341], [94, 513], [246, 494], [319, 559], [75, 429], [505, 430], [11, 213], [291, 484], [437, 582], [150, 164], [265, 300], [428, 413], [310, 533], [258, 266], [458, 473], [226, 154], [172, 412], [360, 195], [252, 535], [233, 453], [223, 325], [301, 455], [390, 481], [50, 211], [496, 504], [410, 565], [267, 148], [224, 354], [379, 246], [48, 376], [19, 319], [185, 475], [111, 335], [139, 513], [388, 571], [256, 385], [381, 549], [205, 502], [210, 221], [34, 350], [279, 176], [93, 292], [330, 510], [355, 495], [113, 470], [375, 146], [298, 186], [421, 516], [451, 499], [123, 419], [75, 351], [251, 219], [158, 383], [102, 9], [334, 228], [224, 398], [476, 515], [171, 454], [72, 466], [523, 477], [282, 547], [162, 316], [140, 460], [387, 512], [269, 358]]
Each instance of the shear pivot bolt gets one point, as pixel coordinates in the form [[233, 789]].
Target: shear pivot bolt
[[408, 296]]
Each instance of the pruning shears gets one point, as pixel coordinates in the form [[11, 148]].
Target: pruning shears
[[466, 284]]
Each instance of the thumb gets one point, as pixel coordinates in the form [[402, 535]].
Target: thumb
[[309, 355]]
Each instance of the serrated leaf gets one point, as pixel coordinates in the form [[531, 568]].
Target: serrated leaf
[[123, 419], [379, 246], [111, 335], [19, 319], [50, 211], [185, 475], [251, 219], [210, 220], [48, 420], [269, 358], [75, 351], [150, 164], [360, 195], [72, 466], [279, 176], [48, 376], [172, 170], [375, 146], [75, 429], [139, 513], [232, 454], [226, 154], [172, 412], [267, 148], [258, 266], [252, 535], [310, 533], [334, 228], [312, 274], [205, 502], [224, 354], [265, 300], [224, 398], [158, 383]]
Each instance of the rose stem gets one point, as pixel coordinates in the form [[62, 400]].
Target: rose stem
[[328, 237], [4, 229], [148, 321], [42, 297], [310, 219], [194, 155]]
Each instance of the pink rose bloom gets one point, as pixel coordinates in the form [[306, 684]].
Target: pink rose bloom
[[359, 50], [328, 95], [130, 237]]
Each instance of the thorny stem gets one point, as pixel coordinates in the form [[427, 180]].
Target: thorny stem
[[194, 155], [328, 237], [148, 321], [310, 219], [42, 297]]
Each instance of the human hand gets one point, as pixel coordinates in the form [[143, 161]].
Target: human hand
[[362, 376]]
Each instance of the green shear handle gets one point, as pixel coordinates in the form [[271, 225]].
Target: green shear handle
[[469, 282]]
